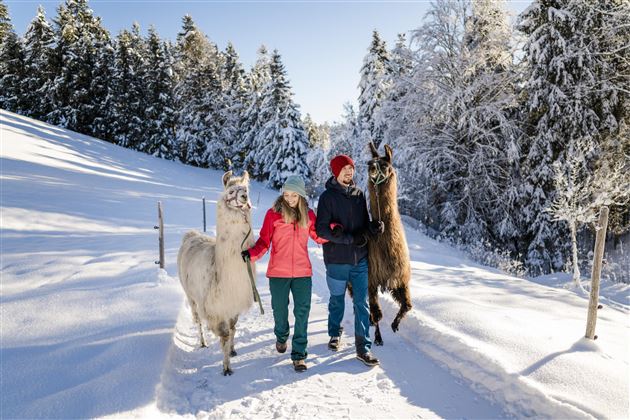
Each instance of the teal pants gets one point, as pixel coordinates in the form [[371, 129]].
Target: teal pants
[[300, 288]]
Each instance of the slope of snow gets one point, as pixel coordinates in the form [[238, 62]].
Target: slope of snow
[[91, 328]]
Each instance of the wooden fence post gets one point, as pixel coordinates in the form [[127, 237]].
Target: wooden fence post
[[593, 305], [204, 213], [161, 234]]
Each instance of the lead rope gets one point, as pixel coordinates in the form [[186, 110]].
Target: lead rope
[[251, 276]]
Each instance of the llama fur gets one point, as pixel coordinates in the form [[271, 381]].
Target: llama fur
[[388, 253], [212, 272]]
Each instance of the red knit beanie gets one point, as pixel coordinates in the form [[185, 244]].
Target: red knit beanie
[[338, 162]]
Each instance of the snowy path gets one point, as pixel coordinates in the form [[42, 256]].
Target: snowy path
[[336, 385]]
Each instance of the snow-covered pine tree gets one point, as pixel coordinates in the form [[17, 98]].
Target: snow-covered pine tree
[[234, 102], [38, 42], [257, 80], [5, 22], [283, 140], [573, 93], [77, 35], [12, 68], [197, 93], [160, 115], [317, 158], [128, 88], [373, 89], [103, 81]]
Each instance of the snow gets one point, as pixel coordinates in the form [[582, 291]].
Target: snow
[[92, 328]]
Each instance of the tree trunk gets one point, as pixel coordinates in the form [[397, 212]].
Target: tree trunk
[[574, 249], [600, 240]]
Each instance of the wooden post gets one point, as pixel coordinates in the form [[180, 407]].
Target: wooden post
[[204, 213], [161, 234], [600, 240]]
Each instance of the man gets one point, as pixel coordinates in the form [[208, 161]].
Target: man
[[342, 218]]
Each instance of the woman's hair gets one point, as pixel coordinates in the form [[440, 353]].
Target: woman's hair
[[290, 214]]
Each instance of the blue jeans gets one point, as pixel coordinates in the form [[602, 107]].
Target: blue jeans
[[337, 275]]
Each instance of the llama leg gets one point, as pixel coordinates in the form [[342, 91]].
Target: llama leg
[[224, 335], [375, 314], [403, 297], [232, 332], [197, 320]]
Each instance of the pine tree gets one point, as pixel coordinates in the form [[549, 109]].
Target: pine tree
[[258, 79], [104, 124], [198, 92], [77, 36], [5, 22], [38, 42], [12, 71], [573, 91], [283, 140], [234, 100], [160, 116], [128, 88], [373, 90]]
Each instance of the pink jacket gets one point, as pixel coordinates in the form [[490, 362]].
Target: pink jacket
[[289, 254]]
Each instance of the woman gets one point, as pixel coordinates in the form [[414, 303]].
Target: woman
[[286, 228]]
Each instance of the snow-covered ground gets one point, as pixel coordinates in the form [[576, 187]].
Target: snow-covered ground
[[91, 328]]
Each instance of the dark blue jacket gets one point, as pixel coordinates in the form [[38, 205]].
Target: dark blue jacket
[[347, 207]]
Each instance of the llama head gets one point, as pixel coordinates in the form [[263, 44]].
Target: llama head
[[380, 168], [236, 194]]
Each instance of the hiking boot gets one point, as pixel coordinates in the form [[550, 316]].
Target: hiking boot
[[333, 343], [281, 347], [299, 365], [368, 359]]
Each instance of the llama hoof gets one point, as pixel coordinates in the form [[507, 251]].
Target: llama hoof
[[233, 353], [227, 372], [395, 326], [378, 341]]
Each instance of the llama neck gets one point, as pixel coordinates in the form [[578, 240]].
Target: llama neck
[[232, 228], [387, 198]]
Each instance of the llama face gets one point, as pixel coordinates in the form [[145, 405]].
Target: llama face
[[237, 197], [380, 168]]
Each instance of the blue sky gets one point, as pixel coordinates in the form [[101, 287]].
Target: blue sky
[[322, 42]]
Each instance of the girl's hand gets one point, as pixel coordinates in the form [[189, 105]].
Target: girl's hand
[[245, 256]]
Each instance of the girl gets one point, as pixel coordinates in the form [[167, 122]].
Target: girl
[[286, 228]]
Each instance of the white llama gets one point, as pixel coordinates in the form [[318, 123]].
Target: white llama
[[211, 271]]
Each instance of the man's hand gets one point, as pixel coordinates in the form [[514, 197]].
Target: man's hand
[[337, 232], [376, 227], [245, 256], [360, 239]]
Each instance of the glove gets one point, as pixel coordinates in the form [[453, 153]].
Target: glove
[[245, 256], [337, 231], [376, 227], [360, 239]]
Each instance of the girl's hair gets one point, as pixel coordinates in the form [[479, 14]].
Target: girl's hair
[[290, 214]]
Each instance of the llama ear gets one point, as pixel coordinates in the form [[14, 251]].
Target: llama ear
[[373, 150], [245, 178], [226, 178], [388, 153]]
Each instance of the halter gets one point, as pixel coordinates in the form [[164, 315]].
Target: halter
[[380, 178], [235, 189]]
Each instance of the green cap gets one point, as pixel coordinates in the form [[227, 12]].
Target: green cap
[[295, 183]]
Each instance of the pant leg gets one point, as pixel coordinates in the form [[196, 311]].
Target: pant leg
[[301, 288], [359, 281], [279, 288], [337, 276]]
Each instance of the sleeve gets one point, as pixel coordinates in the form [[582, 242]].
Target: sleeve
[[366, 215], [311, 228], [323, 220], [264, 241]]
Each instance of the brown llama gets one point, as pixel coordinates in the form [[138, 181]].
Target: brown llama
[[388, 254]]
